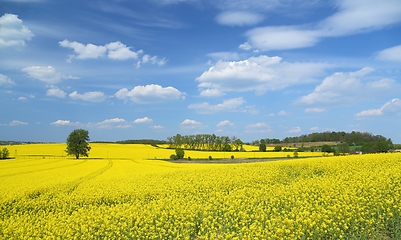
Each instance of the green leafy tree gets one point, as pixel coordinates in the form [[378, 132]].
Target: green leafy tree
[[277, 148], [179, 153], [343, 148], [262, 145], [4, 153], [326, 148], [77, 143]]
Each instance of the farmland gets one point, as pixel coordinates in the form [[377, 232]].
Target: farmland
[[122, 192]]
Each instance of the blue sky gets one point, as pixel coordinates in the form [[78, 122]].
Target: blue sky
[[246, 68]]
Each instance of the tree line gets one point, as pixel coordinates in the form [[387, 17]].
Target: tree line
[[353, 138], [205, 142]]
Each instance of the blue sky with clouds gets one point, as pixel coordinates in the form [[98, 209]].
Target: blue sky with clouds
[[246, 68]]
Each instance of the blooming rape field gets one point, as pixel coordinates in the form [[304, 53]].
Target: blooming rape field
[[118, 194]]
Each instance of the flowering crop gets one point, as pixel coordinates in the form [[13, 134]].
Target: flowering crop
[[119, 195]]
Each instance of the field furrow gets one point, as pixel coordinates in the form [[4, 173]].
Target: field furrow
[[347, 197]]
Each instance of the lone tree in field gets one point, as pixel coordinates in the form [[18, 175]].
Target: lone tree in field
[[262, 145], [179, 152], [77, 143]]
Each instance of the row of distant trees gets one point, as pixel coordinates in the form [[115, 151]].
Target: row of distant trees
[[205, 142], [353, 138], [369, 147]]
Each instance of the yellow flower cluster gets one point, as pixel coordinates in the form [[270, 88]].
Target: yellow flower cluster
[[125, 196]]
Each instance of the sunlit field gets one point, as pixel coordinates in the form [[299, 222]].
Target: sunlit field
[[142, 151], [121, 192]]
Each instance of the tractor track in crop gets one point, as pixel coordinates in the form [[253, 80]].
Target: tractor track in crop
[[42, 170]]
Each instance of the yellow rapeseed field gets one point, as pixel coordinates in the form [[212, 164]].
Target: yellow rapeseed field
[[118, 193]]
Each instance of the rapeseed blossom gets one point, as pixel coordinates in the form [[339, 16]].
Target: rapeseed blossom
[[119, 194]]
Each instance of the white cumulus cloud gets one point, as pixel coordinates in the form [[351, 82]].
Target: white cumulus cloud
[[120, 51], [189, 123], [56, 92], [84, 51], [143, 120], [258, 74], [152, 93], [95, 96], [342, 88], [4, 80], [46, 74], [393, 106], [110, 124], [12, 31], [17, 123], [226, 105], [114, 51], [65, 123], [225, 123], [153, 60]]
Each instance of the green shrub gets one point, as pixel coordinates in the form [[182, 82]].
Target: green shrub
[[4, 153], [210, 158], [173, 157], [232, 156], [179, 152]]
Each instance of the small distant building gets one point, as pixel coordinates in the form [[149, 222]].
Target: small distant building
[[397, 150], [355, 152]]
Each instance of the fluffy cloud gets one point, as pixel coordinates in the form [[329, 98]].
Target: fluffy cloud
[[55, 92], [352, 17], [153, 60], [189, 123], [110, 123], [390, 54], [119, 51], [225, 123], [89, 96], [46, 74], [393, 106], [12, 31], [4, 80], [226, 105], [258, 74], [65, 123], [150, 94], [238, 18], [17, 123], [84, 51], [347, 87], [143, 120], [157, 127], [114, 50]]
